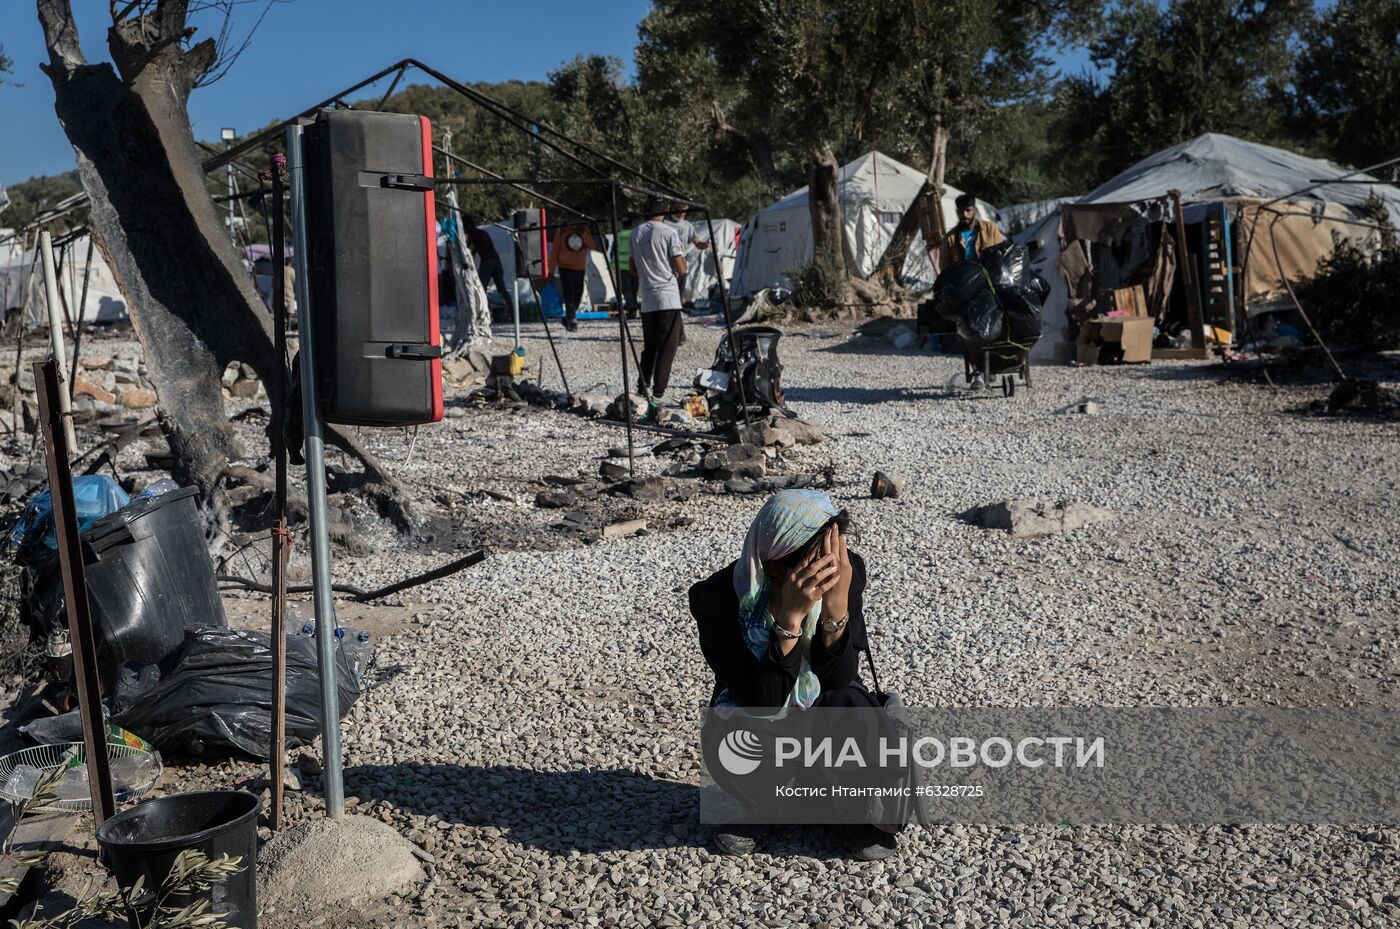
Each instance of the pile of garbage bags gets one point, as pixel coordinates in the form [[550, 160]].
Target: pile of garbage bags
[[994, 300]]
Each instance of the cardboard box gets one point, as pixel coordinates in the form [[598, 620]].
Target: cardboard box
[[1115, 339]]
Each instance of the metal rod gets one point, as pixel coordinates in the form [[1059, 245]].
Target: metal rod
[[281, 541], [622, 347], [728, 317], [316, 487], [563, 378], [82, 308], [60, 357], [392, 85], [75, 592]]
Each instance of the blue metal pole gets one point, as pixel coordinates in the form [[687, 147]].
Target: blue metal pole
[[316, 488]]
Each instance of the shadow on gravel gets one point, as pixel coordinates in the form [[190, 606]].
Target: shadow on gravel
[[556, 811], [569, 811]]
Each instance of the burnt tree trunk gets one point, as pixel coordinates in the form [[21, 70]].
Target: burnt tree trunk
[[192, 304]]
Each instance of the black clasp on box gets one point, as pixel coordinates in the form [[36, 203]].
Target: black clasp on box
[[406, 181], [413, 351]]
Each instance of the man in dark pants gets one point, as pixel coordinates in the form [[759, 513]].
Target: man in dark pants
[[491, 268], [658, 260]]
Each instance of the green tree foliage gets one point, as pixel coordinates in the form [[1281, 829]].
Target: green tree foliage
[[32, 197], [776, 79], [1176, 71], [1347, 81]]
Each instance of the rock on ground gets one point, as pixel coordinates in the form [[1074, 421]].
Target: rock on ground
[[1027, 519]]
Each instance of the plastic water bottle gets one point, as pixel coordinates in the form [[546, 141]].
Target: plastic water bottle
[[359, 652]]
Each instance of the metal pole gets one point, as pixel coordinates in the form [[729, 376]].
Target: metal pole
[[75, 592], [231, 193], [316, 488], [60, 357], [82, 307], [281, 539], [622, 346]]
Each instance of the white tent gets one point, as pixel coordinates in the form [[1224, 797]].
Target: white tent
[[1215, 166], [700, 275], [22, 281], [598, 286], [1020, 217], [874, 191]]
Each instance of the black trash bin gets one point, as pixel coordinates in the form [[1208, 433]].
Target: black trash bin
[[145, 840], [149, 578]]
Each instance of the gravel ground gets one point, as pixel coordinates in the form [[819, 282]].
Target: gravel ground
[[534, 727]]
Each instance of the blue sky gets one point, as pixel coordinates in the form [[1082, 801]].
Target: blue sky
[[309, 49]]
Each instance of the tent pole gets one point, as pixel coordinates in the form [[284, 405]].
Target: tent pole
[[82, 306], [60, 357], [622, 331]]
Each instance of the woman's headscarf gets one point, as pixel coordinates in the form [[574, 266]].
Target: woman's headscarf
[[783, 525]]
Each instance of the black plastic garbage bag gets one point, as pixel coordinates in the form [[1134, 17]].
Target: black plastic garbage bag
[[212, 697], [1023, 319], [981, 320], [1007, 264], [957, 285]]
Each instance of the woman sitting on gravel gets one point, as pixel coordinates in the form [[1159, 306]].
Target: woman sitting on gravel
[[782, 629]]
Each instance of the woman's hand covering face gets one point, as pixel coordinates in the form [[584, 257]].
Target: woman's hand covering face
[[836, 599], [799, 590]]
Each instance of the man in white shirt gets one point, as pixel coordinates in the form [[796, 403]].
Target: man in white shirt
[[658, 260]]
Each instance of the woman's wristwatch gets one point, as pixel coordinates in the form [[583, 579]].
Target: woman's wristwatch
[[835, 625], [784, 633]]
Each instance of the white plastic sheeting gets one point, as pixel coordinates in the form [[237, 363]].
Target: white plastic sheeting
[[874, 191], [700, 264], [22, 281]]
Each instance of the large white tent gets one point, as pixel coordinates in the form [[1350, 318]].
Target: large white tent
[[22, 281], [874, 191]]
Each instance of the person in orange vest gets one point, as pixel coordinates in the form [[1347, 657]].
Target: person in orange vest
[[572, 243]]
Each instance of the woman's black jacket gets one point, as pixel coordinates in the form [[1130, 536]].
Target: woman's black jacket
[[765, 682]]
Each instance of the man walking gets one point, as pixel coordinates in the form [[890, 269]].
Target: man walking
[[969, 238], [572, 243], [491, 270], [658, 260]]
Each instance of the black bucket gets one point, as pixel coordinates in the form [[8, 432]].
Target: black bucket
[[145, 840]]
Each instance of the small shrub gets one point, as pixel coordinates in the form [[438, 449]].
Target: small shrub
[[1354, 299]]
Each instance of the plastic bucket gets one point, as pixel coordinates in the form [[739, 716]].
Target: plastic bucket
[[145, 840]]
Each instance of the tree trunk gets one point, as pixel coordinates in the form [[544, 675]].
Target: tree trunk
[[192, 304], [927, 205], [824, 204]]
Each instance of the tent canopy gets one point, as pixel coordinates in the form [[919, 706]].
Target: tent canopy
[[874, 191], [700, 274], [1215, 166]]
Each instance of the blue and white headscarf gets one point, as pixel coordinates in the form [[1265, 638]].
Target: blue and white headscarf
[[784, 524]]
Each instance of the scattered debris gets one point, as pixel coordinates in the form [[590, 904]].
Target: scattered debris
[[592, 404], [556, 499], [884, 485], [1026, 519], [902, 337], [612, 470], [1361, 395], [624, 529], [616, 410]]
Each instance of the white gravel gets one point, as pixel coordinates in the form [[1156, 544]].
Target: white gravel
[[535, 731]]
